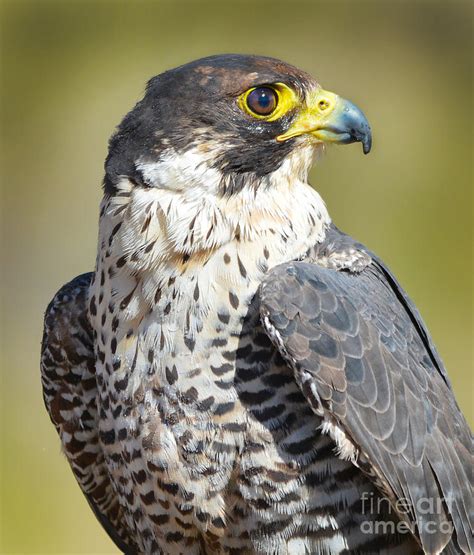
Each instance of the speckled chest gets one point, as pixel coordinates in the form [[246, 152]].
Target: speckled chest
[[204, 429], [206, 435]]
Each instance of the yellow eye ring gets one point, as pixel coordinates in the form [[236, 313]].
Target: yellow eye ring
[[268, 102]]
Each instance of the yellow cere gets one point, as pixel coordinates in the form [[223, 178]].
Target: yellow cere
[[287, 100], [320, 104]]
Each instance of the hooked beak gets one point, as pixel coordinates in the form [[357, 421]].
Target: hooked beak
[[331, 119]]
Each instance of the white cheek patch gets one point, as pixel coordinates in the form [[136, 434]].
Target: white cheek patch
[[181, 171]]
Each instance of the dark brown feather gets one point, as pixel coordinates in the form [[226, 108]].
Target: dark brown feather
[[69, 391]]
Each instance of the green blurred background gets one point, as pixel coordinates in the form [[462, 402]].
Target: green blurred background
[[71, 70]]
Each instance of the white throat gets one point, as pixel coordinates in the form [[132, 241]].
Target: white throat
[[180, 229], [185, 211]]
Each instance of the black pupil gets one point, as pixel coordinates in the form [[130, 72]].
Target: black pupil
[[262, 101]]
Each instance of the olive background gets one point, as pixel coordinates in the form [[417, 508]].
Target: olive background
[[69, 72]]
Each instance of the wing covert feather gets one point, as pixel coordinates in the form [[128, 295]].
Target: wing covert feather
[[367, 364]]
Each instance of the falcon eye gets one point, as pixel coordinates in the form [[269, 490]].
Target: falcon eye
[[268, 102], [262, 101]]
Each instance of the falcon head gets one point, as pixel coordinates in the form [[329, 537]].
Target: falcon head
[[226, 122]]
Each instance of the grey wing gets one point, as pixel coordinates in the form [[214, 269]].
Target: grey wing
[[70, 393], [364, 361]]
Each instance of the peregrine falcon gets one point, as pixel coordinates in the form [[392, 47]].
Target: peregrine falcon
[[237, 375]]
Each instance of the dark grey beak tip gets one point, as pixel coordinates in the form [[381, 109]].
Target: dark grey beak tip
[[367, 142], [354, 122]]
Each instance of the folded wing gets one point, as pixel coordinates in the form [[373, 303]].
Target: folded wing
[[365, 362], [70, 393]]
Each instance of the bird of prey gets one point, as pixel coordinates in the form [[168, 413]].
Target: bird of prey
[[237, 375]]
